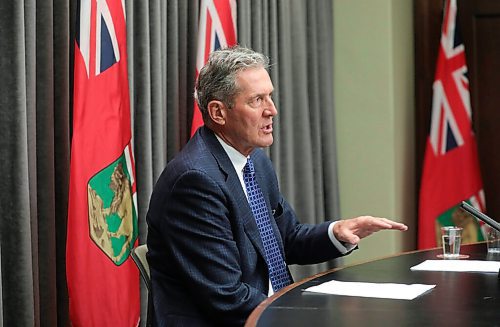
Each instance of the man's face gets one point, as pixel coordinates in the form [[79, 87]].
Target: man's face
[[249, 124]]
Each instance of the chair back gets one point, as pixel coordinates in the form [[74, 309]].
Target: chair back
[[139, 256]]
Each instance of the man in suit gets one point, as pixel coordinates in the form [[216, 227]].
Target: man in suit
[[219, 230]]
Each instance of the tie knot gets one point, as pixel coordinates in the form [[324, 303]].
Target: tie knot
[[249, 169]]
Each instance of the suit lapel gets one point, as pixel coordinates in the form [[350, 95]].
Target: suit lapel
[[234, 185], [261, 180], [245, 212]]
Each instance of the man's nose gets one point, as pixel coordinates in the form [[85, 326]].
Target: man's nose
[[271, 108]]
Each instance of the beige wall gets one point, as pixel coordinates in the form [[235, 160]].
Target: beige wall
[[374, 111]]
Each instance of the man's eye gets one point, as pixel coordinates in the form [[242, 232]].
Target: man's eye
[[256, 101]]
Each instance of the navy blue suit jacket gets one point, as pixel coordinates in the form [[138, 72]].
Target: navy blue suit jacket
[[205, 253]]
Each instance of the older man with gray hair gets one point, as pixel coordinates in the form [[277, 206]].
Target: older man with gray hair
[[220, 233]]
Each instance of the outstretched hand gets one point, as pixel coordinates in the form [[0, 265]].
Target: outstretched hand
[[354, 229]]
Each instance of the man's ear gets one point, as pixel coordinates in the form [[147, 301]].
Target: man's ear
[[217, 112]]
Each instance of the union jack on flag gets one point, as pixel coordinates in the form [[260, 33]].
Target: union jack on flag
[[216, 29], [105, 48], [451, 169]]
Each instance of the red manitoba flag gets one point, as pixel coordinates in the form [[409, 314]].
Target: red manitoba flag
[[451, 169], [216, 29], [103, 282]]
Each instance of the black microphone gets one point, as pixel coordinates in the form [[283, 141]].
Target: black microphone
[[479, 215]]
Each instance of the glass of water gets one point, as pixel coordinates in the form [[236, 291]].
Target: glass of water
[[451, 237]]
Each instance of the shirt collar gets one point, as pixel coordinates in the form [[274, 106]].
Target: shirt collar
[[237, 159]]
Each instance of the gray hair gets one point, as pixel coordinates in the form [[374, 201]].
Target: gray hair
[[217, 79]]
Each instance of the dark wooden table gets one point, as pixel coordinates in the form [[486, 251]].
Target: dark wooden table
[[459, 298]]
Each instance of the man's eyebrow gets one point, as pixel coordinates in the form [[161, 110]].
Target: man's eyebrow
[[261, 93]]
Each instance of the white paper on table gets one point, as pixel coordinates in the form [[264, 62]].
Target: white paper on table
[[458, 265], [376, 290]]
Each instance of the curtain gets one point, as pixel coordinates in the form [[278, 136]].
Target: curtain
[[36, 66], [34, 143]]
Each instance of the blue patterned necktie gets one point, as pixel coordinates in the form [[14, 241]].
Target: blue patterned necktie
[[277, 268]]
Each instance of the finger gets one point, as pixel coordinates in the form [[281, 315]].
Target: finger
[[396, 225], [401, 227], [345, 233], [352, 239], [389, 224]]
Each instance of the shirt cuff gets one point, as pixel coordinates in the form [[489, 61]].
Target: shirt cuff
[[343, 247]]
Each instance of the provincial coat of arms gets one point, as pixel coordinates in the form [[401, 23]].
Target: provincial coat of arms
[[112, 210]]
